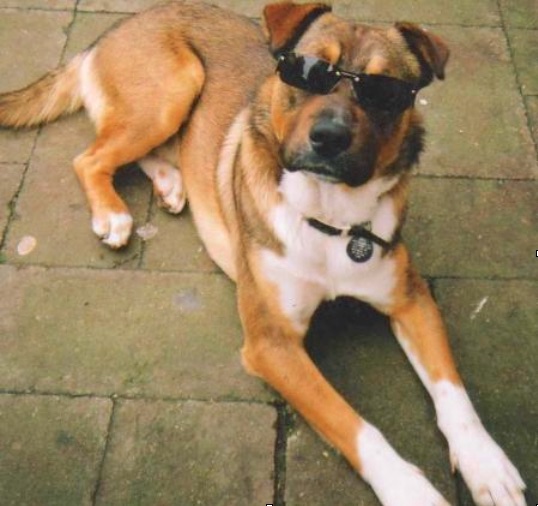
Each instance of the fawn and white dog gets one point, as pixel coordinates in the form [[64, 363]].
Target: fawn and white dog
[[297, 180]]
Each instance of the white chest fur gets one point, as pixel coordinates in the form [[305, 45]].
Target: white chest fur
[[316, 266]]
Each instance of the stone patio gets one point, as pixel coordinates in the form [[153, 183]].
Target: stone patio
[[120, 378]]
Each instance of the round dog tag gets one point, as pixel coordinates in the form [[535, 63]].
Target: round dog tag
[[360, 249]]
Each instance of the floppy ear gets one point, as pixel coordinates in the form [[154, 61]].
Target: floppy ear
[[286, 22], [431, 51]]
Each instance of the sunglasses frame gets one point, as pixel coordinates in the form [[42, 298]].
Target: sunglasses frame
[[404, 98]]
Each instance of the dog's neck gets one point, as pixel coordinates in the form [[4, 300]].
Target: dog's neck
[[335, 205]]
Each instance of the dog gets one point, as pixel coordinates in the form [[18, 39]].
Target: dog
[[295, 145]]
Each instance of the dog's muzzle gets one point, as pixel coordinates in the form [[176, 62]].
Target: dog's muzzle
[[332, 154]]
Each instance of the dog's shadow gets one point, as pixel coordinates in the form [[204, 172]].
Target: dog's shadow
[[355, 349]]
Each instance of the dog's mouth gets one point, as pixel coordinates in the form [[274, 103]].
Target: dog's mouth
[[320, 172], [342, 171]]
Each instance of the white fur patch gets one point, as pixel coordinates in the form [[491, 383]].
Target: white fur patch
[[395, 481], [489, 474], [90, 90], [335, 204], [316, 266], [167, 183], [114, 229]]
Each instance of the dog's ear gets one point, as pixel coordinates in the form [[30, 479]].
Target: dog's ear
[[431, 51], [286, 22]]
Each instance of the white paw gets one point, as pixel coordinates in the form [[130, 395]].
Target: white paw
[[491, 477], [395, 481], [167, 183], [169, 188], [489, 474], [114, 229]]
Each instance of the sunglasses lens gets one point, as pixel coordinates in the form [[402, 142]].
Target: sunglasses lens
[[383, 93], [307, 73]]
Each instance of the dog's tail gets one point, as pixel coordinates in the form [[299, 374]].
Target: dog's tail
[[56, 93]]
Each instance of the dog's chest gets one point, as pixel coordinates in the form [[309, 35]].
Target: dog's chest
[[316, 266]]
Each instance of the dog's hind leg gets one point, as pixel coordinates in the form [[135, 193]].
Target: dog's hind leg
[[133, 115]]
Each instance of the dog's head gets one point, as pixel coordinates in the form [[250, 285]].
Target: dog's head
[[342, 101]]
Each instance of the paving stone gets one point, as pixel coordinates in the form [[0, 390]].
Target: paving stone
[[86, 29], [189, 453], [116, 5], [465, 12], [20, 29], [493, 328], [247, 7], [524, 45], [520, 14], [10, 178], [473, 228], [176, 246], [316, 474], [52, 206], [532, 108], [131, 333], [51, 449], [476, 119], [357, 353], [38, 4]]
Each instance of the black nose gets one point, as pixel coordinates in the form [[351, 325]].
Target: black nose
[[329, 137]]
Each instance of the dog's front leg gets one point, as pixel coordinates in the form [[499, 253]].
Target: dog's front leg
[[274, 351], [416, 321]]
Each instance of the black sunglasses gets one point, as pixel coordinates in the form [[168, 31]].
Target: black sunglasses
[[373, 92]]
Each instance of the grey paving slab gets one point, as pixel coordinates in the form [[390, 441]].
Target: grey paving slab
[[466, 12], [38, 4], [21, 29], [86, 29], [251, 8], [476, 118], [52, 206], [125, 332], [532, 109], [176, 246], [493, 327], [357, 353], [10, 179], [520, 14], [51, 449], [16, 146], [317, 475], [524, 44], [115, 5], [189, 453], [473, 228]]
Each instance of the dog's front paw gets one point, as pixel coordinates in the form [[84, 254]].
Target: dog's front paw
[[491, 477], [395, 481], [114, 229]]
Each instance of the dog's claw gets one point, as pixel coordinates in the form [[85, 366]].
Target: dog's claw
[[114, 229]]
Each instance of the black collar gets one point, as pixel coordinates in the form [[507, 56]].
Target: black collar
[[354, 231]]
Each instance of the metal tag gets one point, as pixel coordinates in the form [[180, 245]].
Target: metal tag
[[360, 249]]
